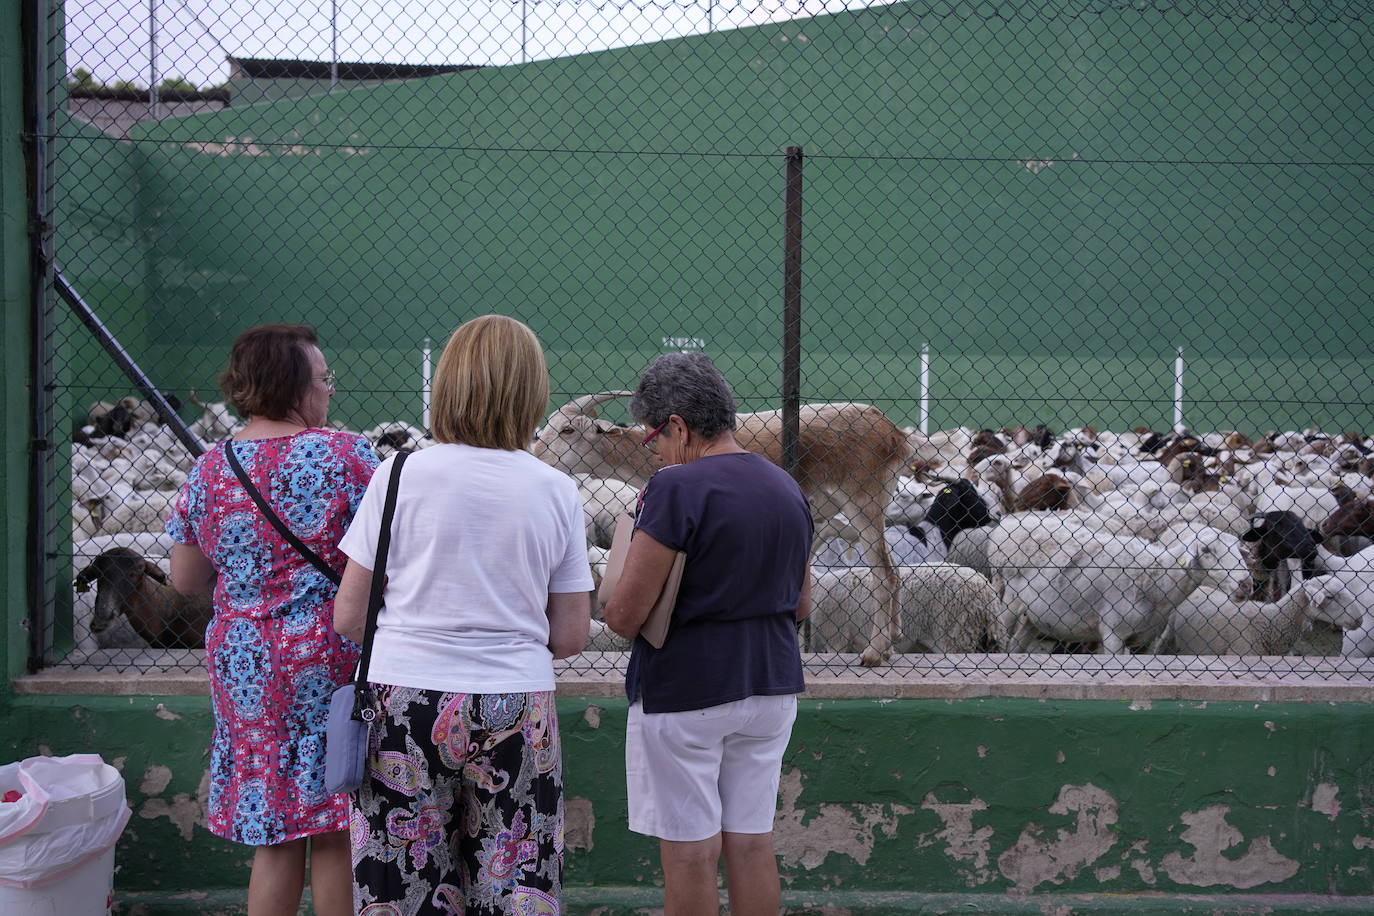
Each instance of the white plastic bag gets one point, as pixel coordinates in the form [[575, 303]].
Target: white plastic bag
[[72, 810]]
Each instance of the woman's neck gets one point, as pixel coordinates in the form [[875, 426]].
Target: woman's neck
[[724, 444], [264, 428]]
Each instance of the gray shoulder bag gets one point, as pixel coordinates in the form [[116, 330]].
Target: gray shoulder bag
[[350, 707]]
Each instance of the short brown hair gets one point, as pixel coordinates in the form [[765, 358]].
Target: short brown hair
[[269, 371], [491, 386]]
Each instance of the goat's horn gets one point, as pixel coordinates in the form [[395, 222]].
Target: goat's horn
[[195, 400], [588, 402], [152, 569]]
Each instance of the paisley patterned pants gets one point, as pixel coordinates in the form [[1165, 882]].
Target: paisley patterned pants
[[462, 807]]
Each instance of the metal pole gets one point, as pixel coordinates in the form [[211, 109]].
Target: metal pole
[[126, 362], [154, 109], [44, 540], [925, 389], [791, 312], [333, 44], [1178, 390], [524, 10], [424, 385]]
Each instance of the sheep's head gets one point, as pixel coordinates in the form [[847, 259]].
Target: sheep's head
[[910, 503], [992, 468], [958, 507], [1277, 536], [117, 574], [1332, 597], [576, 441]]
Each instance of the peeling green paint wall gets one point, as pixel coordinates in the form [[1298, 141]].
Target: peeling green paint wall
[[903, 799]]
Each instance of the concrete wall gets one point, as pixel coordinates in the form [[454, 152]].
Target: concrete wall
[[991, 804]]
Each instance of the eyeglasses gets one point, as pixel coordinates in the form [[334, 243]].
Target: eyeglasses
[[653, 435], [330, 379]]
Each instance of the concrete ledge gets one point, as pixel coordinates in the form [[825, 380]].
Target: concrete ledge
[[833, 676]]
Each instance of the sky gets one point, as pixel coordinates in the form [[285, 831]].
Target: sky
[[110, 38]]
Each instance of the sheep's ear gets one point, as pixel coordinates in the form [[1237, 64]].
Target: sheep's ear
[[152, 569], [82, 582]]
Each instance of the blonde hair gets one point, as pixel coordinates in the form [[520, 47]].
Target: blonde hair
[[491, 386]]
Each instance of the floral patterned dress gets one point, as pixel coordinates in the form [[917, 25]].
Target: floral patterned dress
[[271, 650]]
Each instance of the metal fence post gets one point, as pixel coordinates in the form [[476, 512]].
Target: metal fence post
[[791, 311]]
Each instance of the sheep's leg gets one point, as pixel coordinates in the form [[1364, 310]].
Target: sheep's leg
[[1014, 628], [1010, 612], [1162, 641]]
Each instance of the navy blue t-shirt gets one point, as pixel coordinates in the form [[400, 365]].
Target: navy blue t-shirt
[[746, 529]]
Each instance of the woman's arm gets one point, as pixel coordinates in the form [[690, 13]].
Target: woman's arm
[[570, 616], [647, 564], [192, 571], [350, 603]]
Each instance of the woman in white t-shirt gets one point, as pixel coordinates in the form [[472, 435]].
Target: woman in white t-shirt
[[487, 582]]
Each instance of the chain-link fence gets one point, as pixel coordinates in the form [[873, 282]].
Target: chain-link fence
[[1100, 269]]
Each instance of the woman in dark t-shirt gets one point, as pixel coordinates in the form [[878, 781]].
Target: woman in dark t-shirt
[[711, 712]]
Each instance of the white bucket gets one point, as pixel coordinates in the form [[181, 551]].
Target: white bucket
[[87, 890], [57, 842]]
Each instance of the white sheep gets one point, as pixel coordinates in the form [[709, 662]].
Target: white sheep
[[944, 608], [1209, 622], [597, 558], [1312, 505], [121, 507], [907, 545], [1225, 564], [970, 549], [1076, 584], [603, 501], [216, 421]]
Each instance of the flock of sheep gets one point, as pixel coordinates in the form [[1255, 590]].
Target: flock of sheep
[[961, 541]]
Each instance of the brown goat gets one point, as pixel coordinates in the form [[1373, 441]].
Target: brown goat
[[1178, 447], [1047, 492], [981, 452], [1352, 517], [848, 457], [128, 584]]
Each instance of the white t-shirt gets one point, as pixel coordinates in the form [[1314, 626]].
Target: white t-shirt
[[480, 539]]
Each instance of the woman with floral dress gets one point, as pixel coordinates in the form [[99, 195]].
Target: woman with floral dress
[[271, 649]]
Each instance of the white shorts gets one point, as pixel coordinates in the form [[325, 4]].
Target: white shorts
[[693, 774]]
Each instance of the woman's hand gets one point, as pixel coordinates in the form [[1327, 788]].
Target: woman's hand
[[647, 564], [192, 571], [350, 603]]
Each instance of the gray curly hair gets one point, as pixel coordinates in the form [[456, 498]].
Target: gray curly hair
[[689, 385]]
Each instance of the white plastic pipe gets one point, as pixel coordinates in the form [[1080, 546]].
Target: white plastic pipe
[[1178, 390], [925, 389], [424, 384]]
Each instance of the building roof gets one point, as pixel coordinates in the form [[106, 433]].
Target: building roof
[[106, 94], [278, 68]]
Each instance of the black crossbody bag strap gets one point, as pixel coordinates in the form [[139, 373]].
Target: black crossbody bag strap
[[276, 522], [374, 599]]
